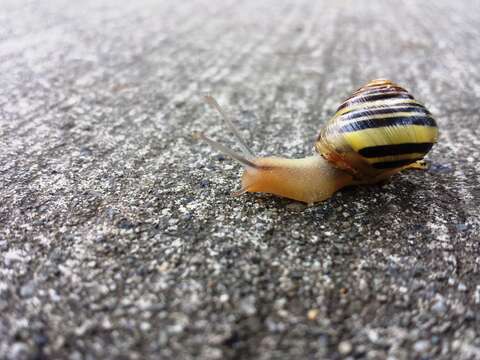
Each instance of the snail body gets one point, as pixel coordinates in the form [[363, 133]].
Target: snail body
[[378, 131]]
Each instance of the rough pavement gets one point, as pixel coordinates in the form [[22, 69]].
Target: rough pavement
[[120, 237]]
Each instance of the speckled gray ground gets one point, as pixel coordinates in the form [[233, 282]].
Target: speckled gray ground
[[120, 237]]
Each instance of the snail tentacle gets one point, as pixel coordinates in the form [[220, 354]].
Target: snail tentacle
[[241, 142], [225, 150]]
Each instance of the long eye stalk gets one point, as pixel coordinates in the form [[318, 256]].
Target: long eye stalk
[[243, 145]]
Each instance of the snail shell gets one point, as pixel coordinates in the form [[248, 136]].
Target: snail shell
[[377, 130]]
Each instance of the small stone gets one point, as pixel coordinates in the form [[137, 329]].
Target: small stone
[[296, 206], [295, 234], [477, 295], [12, 256], [439, 307], [314, 239], [213, 353], [382, 298], [440, 329], [83, 328], [247, 305], [18, 350], [421, 346], [145, 326], [462, 287], [312, 314], [345, 348], [456, 344], [372, 336], [27, 290], [163, 267]]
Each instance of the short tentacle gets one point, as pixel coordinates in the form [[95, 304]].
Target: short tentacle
[[224, 150]]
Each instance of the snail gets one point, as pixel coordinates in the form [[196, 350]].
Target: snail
[[378, 131]]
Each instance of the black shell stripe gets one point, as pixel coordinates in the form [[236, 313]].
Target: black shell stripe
[[395, 164], [383, 90], [395, 149], [374, 97], [390, 121], [414, 108], [377, 104], [383, 85]]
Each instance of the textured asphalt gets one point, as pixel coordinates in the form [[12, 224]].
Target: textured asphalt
[[120, 237]]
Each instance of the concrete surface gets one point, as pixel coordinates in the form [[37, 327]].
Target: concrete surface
[[119, 234]]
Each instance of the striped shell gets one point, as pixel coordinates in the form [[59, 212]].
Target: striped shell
[[379, 129]]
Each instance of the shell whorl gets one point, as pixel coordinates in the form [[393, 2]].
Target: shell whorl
[[380, 127]]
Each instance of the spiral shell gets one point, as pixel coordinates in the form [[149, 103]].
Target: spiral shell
[[379, 129]]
